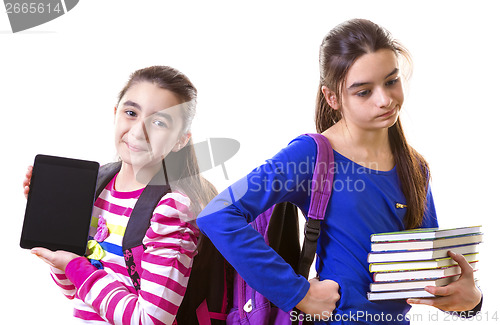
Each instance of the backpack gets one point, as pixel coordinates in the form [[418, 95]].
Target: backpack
[[279, 227], [208, 292], [218, 294]]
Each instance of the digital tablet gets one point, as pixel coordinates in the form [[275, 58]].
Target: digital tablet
[[60, 202]]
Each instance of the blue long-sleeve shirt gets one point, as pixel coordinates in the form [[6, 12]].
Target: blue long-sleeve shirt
[[364, 201]]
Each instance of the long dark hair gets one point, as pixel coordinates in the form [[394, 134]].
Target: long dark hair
[[181, 166], [342, 46]]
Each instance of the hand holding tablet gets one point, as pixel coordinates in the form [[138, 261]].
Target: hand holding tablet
[[60, 202]]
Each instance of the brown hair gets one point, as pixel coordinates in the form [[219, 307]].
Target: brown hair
[[340, 48], [182, 166]]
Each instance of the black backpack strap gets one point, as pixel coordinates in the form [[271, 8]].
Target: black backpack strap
[[311, 234], [106, 174], [140, 221], [140, 217]]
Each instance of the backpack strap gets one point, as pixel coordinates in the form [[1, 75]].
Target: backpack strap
[[140, 218], [209, 292], [322, 182], [282, 232], [139, 223], [106, 174], [323, 176]]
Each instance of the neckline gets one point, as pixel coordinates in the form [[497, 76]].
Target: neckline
[[370, 170], [121, 194]]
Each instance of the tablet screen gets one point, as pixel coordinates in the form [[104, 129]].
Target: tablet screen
[[60, 202]]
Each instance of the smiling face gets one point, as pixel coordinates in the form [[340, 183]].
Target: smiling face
[[372, 95], [148, 125]]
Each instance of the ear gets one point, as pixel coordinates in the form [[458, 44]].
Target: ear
[[330, 97], [181, 143]]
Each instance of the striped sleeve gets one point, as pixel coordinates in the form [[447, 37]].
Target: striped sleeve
[[166, 264], [62, 281]]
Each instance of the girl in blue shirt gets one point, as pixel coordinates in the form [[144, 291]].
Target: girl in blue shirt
[[381, 184]]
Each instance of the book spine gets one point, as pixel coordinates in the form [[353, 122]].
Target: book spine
[[419, 265], [419, 274], [426, 254], [419, 244]]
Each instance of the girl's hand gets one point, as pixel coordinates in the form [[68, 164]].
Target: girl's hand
[[321, 298], [27, 181], [57, 259], [461, 295]]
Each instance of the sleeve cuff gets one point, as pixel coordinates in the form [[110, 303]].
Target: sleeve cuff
[[297, 298], [469, 313], [78, 270]]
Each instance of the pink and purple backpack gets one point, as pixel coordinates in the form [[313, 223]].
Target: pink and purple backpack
[[279, 226]]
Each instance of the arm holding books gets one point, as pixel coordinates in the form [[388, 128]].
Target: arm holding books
[[461, 295]]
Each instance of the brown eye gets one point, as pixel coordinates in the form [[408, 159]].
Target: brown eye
[[130, 113], [160, 123], [392, 82], [363, 93]]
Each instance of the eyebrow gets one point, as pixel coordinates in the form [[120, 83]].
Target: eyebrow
[[133, 104], [359, 84], [166, 116]]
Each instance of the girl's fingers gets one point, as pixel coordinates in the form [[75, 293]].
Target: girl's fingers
[[58, 259], [459, 295], [466, 268], [29, 172], [415, 301], [44, 254], [440, 291], [27, 181], [440, 302]]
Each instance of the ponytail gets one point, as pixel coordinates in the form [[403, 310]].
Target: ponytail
[[414, 175], [183, 173]]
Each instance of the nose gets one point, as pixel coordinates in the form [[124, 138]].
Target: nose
[[138, 130], [383, 98]]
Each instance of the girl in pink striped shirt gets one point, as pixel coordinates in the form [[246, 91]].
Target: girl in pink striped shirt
[[152, 120]]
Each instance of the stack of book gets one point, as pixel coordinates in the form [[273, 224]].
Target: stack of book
[[405, 262]]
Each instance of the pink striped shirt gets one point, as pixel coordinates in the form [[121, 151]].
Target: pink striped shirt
[[108, 295]]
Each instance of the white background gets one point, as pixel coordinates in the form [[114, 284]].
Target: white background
[[255, 64]]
